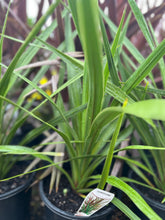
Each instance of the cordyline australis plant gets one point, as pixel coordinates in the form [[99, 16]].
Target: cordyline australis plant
[[94, 128]]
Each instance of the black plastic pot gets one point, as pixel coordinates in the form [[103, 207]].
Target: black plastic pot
[[54, 213], [156, 206], [14, 205]]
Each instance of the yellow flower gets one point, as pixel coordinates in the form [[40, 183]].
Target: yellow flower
[[48, 91], [36, 96], [43, 81]]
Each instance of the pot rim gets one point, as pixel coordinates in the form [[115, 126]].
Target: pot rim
[[68, 215], [18, 189]]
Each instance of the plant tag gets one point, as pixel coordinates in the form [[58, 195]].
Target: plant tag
[[94, 201]]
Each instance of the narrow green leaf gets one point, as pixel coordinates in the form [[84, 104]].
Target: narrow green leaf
[[140, 173], [134, 196], [76, 64], [136, 163], [73, 7], [22, 41], [145, 68], [142, 22], [111, 65], [103, 118], [140, 147], [156, 91], [14, 149], [118, 34], [75, 96], [127, 211], [88, 21], [2, 37], [126, 179], [109, 157], [161, 62], [123, 33], [118, 93]]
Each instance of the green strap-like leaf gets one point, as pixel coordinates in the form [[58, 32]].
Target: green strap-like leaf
[[14, 149], [109, 157], [140, 147], [2, 37], [88, 21], [111, 65], [75, 96], [142, 22], [73, 7], [156, 91], [145, 68], [103, 118], [76, 64], [134, 196], [118, 93], [127, 211]]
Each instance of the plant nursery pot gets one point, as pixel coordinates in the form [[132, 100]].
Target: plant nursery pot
[[155, 205], [54, 213], [14, 204]]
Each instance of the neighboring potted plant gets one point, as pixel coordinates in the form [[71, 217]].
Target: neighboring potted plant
[[14, 194], [148, 166]]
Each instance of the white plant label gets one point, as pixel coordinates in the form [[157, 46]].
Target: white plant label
[[94, 201]]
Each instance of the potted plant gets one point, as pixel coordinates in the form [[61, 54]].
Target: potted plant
[[14, 196], [147, 175], [91, 128]]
